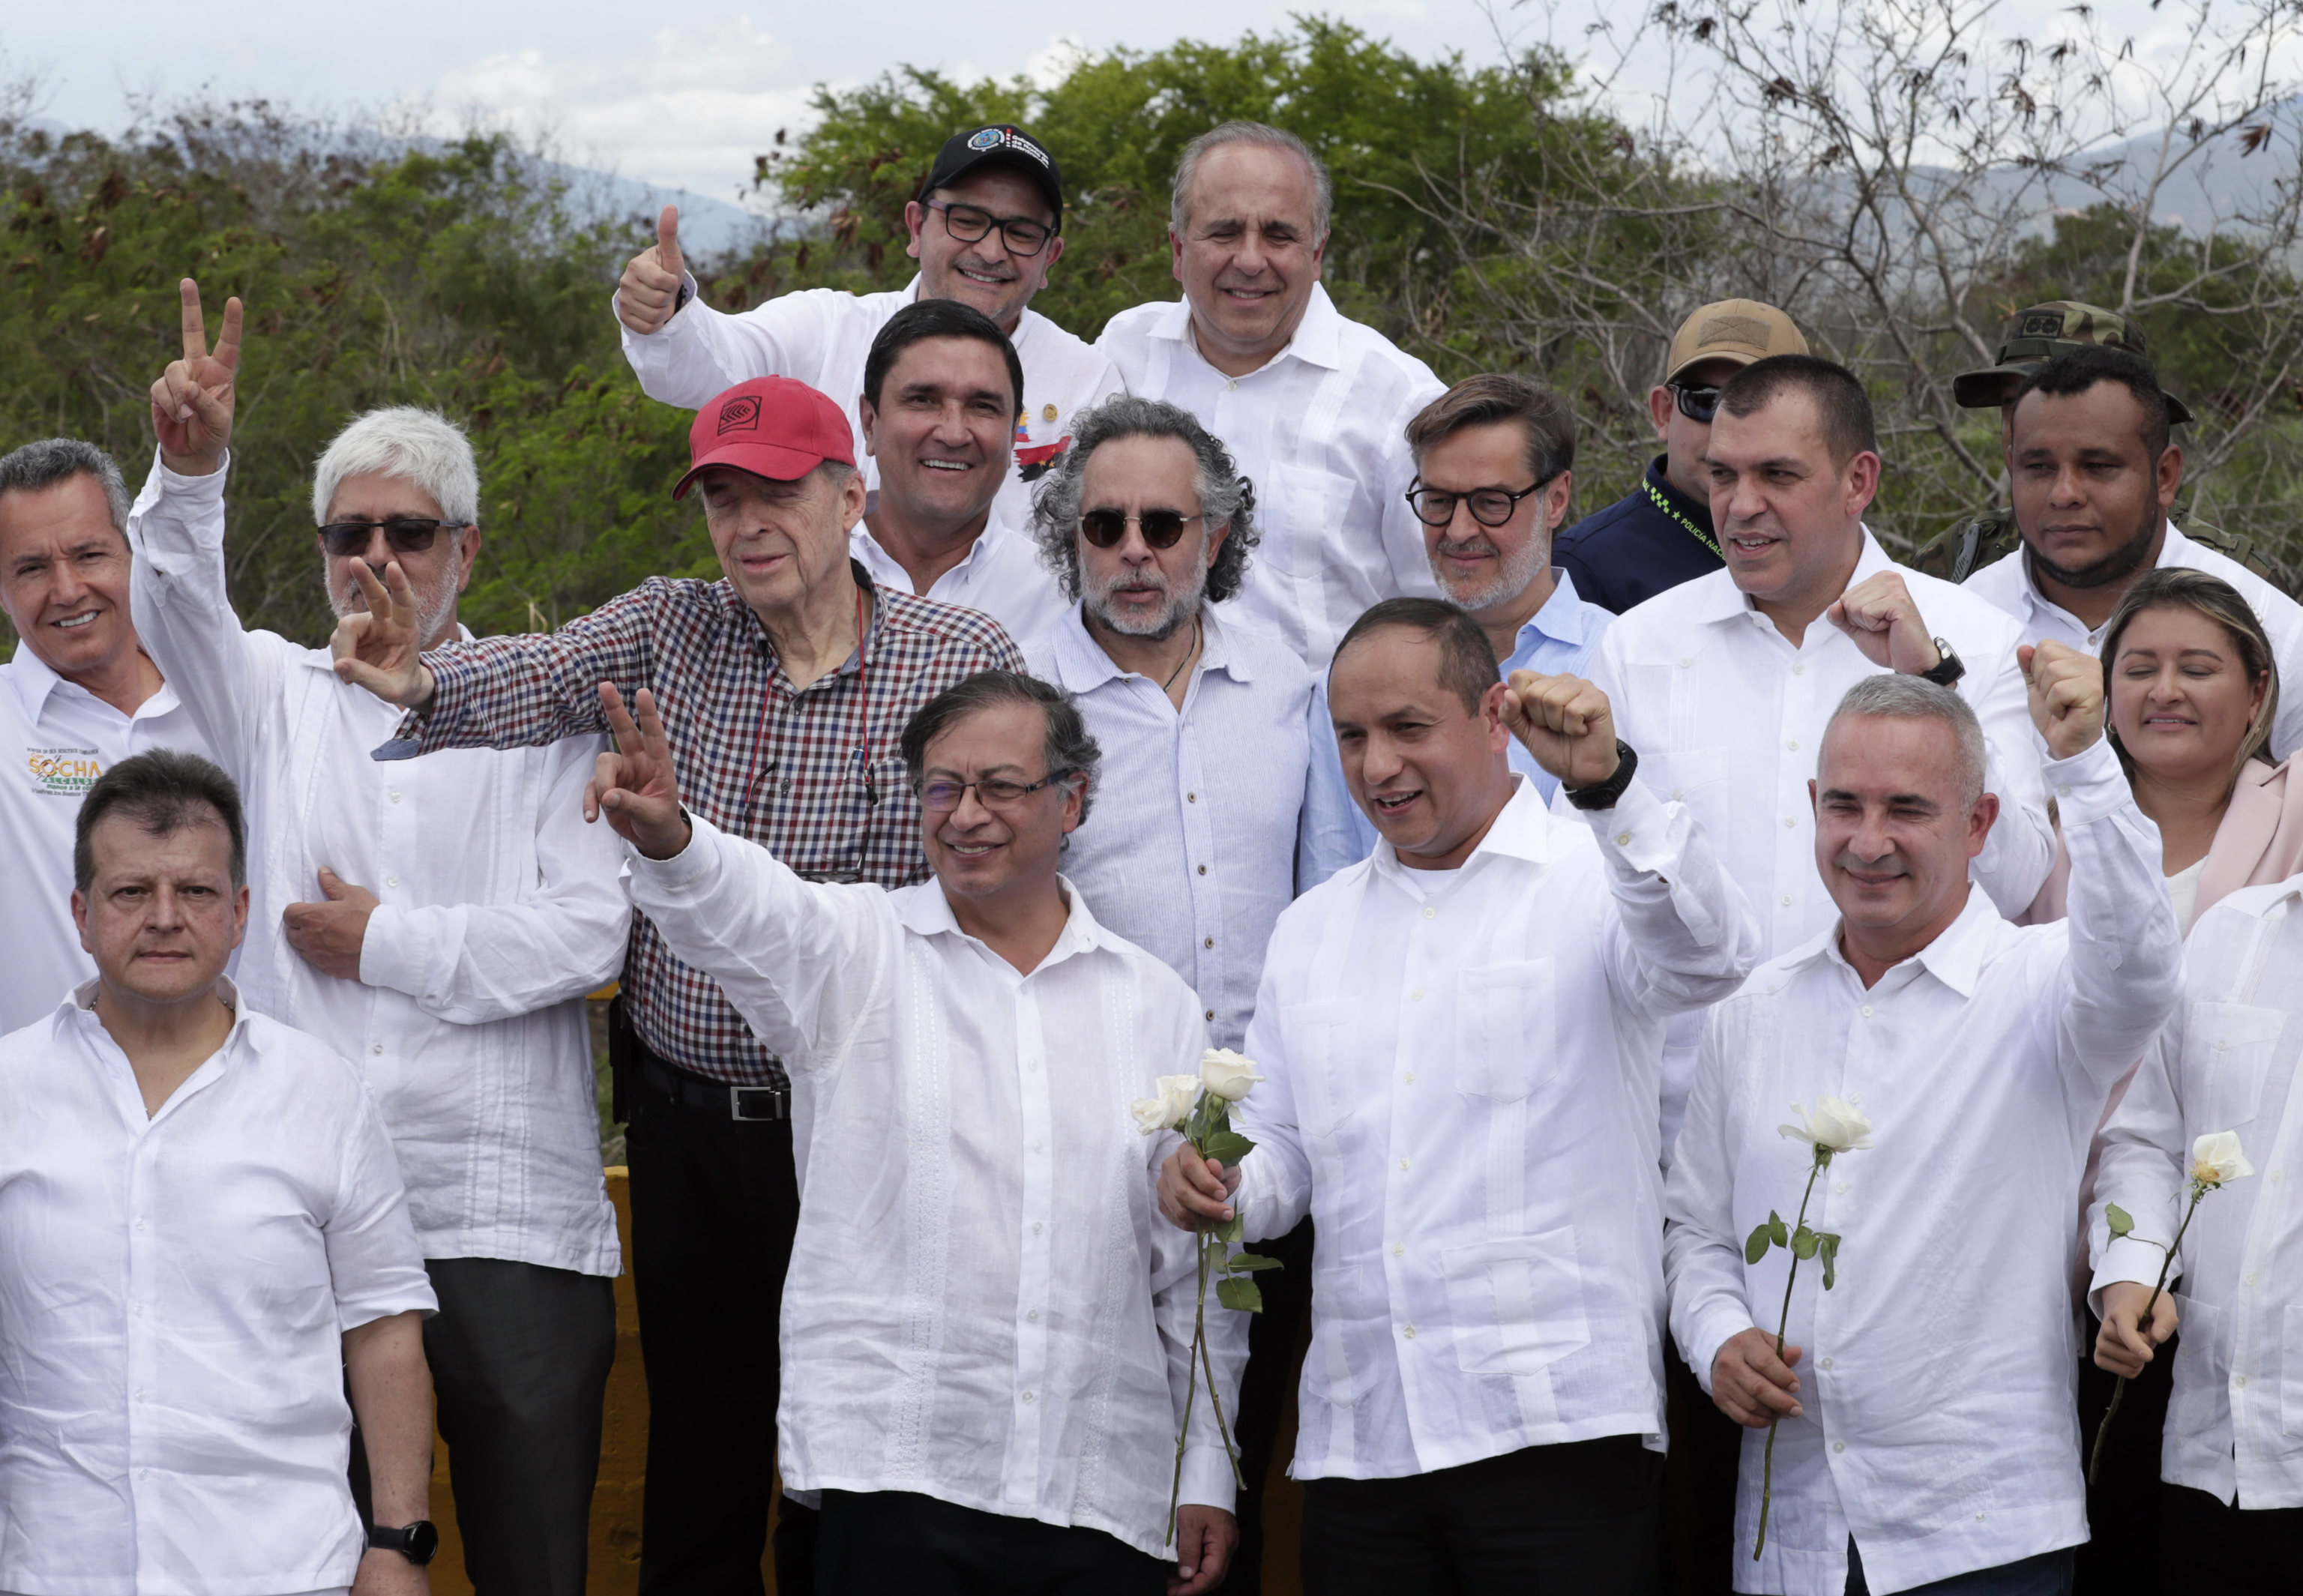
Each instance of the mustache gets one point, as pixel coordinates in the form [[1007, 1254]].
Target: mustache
[[1468, 547], [1889, 864]]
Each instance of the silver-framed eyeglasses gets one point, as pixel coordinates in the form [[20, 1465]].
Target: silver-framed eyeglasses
[[941, 796]]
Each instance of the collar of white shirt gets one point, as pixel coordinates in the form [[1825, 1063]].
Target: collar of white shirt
[[1565, 617], [1955, 958], [1722, 600], [1319, 338], [35, 681], [1082, 666], [1523, 829], [79, 1007], [925, 911], [885, 567], [2174, 549]]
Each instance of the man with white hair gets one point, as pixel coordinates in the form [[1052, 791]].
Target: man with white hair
[[438, 924], [1909, 1398], [1313, 406], [79, 696]]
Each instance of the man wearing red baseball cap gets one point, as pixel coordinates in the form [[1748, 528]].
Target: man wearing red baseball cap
[[986, 228], [784, 686]]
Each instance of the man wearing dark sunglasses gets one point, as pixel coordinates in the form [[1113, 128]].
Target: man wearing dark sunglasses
[[1659, 535], [986, 228]]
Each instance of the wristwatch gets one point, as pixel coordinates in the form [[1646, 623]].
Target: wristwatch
[[418, 1542], [1948, 669], [1603, 794]]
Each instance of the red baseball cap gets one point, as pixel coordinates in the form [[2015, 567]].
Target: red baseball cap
[[771, 426]]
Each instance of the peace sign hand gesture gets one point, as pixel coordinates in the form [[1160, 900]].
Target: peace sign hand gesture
[[192, 401], [635, 786]]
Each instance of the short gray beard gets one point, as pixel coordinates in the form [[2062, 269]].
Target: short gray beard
[[1181, 606], [1513, 572], [432, 608]]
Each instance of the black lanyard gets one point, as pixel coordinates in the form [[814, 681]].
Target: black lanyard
[[1655, 497]]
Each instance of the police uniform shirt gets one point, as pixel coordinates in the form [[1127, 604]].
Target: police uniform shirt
[[1650, 540]]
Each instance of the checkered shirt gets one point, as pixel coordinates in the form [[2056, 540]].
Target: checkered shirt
[[758, 758]]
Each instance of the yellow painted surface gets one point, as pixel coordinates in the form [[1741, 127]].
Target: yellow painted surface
[[615, 1564]]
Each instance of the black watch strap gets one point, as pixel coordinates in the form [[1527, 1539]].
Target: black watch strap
[[1603, 794], [1947, 670], [418, 1542]]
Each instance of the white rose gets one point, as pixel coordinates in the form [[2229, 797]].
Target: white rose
[[2215, 1158], [1227, 1074], [1170, 1109], [1836, 1125]]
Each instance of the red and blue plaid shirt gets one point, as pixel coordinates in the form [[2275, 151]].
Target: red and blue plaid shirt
[[813, 774]]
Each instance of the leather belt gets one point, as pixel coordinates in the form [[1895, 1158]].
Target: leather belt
[[754, 1103]]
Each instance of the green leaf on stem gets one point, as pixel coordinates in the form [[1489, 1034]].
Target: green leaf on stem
[[1233, 1229], [1226, 1147], [2117, 1219], [1248, 1262], [1778, 1232], [1756, 1248], [1827, 1248], [1804, 1243], [1243, 1294]]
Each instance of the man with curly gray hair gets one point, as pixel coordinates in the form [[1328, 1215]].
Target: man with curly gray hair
[[1207, 738]]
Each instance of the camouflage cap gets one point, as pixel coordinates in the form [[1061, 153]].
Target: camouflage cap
[[2035, 335]]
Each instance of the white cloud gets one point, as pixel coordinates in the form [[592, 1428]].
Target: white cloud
[[690, 109]]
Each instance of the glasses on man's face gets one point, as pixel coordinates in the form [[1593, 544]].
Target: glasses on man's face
[[403, 534], [1491, 506], [941, 795], [968, 223], [1698, 401], [1160, 527]]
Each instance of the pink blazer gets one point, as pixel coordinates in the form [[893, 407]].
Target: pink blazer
[[2259, 842]]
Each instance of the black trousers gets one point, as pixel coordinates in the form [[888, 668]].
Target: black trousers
[[2208, 1547], [1276, 1340], [519, 1356], [1699, 1490], [715, 1204], [895, 1543], [2123, 1506], [1568, 1520]]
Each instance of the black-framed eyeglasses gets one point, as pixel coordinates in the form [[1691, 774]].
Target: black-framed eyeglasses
[[941, 797], [969, 222], [1160, 527], [1491, 506], [1698, 401], [403, 534]]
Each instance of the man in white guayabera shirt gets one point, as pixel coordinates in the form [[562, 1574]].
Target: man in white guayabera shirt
[[986, 1329], [2231, 1500], [1929, 1438], [437, 924], [1313, 406], [204, 1251], [986, 227], [1461, 1034], [79, 697]]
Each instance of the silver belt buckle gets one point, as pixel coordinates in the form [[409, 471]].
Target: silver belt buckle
[[742, 1100]]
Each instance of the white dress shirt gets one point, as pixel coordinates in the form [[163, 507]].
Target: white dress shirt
[[1728, 717], [821, 336], [500, 908], [1190, 848], [1940, 1374], [2227, 1061], [173, 1292], [984, 1305], [1461, 1095], [57, 738], [2007, 583], [1321, 432], [1000, 575]]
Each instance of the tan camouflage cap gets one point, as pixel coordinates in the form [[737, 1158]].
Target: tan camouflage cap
[[2035, 335], [1738, 329]]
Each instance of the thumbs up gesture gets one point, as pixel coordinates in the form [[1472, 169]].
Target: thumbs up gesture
[[649, 290], [192, 401]]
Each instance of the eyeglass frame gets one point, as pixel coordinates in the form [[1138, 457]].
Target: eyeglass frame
[[1135, 519], [384, 524], [1679, 395], [990, 222], [1418, 485], [920, 791]]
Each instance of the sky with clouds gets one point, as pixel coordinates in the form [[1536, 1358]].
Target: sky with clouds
[[684, 98]]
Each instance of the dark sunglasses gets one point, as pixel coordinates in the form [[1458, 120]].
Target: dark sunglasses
[[1697, 404], [403, 534], [968, 224], [1160, 527]]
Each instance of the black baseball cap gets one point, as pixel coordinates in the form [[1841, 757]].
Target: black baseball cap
[[1001, 144]]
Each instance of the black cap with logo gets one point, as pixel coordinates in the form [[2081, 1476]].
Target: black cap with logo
[[1001, 144]]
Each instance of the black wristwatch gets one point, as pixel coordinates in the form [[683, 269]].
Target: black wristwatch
[[418, 1542], [1948, 669], [1603, 794]]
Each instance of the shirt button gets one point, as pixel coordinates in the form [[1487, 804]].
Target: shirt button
[[1211, 1013], [1623, 839], [2251, 1274], [1787, 900], [1203, 870], [1429, 912], [391, 881], [1034, 1315], [1839, 1446], [1827, 1363], [1037, 1227], [1867, 1011], [1402, 1163], [1039, 1146], [1029, 1397], [1840, 1187], [1684, 664], [1398, 1249], [139, 1225], [1190, 798], [1207, 941], [1793, 744], [377, 1048], [1416, 995], [394, 795], [1409, 1332], [2239, 1380], [1798, 668], [1032, 1066], [1789, 823], [1228, 382], [2062, 793], [1676, 795], [1409, 1077]]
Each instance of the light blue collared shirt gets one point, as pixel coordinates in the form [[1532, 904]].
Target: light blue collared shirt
[[1557, 640]]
